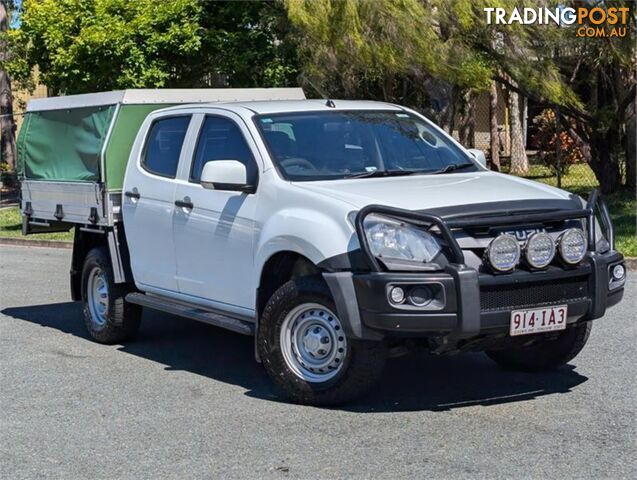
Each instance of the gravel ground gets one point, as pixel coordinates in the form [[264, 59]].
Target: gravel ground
[[187, 400]]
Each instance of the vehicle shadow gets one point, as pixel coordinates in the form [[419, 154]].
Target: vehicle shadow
[[410, 383]]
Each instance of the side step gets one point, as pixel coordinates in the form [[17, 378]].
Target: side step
[[193, 312]]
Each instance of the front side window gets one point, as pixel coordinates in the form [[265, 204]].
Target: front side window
[[350, 144], [163, 146], [221, 139]]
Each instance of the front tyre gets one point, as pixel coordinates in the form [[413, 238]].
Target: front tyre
[[108, 317], [546, 354], [304, 349]]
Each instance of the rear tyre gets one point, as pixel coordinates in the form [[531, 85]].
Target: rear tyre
[[546, 354], [305, 351], [108, 317]]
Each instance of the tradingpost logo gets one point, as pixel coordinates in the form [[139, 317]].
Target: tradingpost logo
[[590, 21]]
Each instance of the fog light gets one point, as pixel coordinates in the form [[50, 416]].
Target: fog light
[[572, 245], [539, 250], [397, 295], [503, 253], [420, 296], [619, 272]]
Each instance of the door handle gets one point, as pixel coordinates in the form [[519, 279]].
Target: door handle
[[134, 195], [184, 204]]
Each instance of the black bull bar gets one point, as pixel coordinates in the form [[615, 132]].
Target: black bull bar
[[595, 204]]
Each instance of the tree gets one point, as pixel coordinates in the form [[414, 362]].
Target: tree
[[631, 146], [591, 79], [86, 46], [83, 46], [7, 124], [245, 44], [396, 50], [519, 160], [493, 127], [602, 72]]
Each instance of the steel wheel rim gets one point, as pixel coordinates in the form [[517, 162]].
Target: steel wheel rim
[[313, 343], [97, 296]]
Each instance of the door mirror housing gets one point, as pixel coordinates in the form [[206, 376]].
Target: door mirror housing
[[479, 156], [229, 175]]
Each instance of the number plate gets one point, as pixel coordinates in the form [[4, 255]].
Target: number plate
[[524, 322]]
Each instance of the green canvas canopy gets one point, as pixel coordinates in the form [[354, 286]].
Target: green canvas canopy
[[64, 145]]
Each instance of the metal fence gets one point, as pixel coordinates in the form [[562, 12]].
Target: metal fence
[[536, 146]]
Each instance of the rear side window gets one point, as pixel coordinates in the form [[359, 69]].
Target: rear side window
[[163, 146], [221, 139]]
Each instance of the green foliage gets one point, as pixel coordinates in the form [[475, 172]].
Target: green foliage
[[89, 45], [348, 44], [93, 45], [246, 44], [367, 47]]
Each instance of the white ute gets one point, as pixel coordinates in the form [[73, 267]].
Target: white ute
[[336, 232]]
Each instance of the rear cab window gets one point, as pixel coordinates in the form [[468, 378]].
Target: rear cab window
[[163, 145]]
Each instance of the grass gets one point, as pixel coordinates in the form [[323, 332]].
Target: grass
[[11, 226], [623, 210], [580, 180]]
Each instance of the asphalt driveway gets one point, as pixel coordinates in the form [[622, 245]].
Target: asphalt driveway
[[187, 400]]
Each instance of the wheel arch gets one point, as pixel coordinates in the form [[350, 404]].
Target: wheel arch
[[279, 268], [114, 243]]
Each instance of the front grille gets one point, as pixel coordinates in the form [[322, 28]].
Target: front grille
[[555, 292]]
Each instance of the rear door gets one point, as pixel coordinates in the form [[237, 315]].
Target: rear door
[[214, 234], [148, 203]]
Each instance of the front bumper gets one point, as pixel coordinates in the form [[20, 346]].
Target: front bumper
[[470, 304]]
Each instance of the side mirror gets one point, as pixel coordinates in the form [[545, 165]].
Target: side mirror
[[479, 156], [228, 175]]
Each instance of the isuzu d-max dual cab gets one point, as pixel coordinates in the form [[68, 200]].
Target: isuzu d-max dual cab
[[335, 232]]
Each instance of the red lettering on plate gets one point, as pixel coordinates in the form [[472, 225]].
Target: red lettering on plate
[[532, 320], [516, 320], [552, 318], [543, 317], [561, 310]]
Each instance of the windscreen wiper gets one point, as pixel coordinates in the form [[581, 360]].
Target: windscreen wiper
[[452, 168], [383, 173]]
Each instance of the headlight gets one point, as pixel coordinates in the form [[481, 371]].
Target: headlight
[[539, 250], [389, 238], [572, 245], [503, 253]]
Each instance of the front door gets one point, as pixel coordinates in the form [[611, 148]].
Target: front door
[[148, 204], [213, 230]]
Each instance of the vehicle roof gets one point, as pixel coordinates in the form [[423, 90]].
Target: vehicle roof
[[290, 106], [168, 96]]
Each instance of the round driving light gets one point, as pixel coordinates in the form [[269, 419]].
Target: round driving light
[[618, 272], [420, 296], [539, 250], [397, 295], [572, 246], [503, 253]]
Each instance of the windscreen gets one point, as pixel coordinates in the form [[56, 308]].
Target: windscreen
[[349, 144]]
